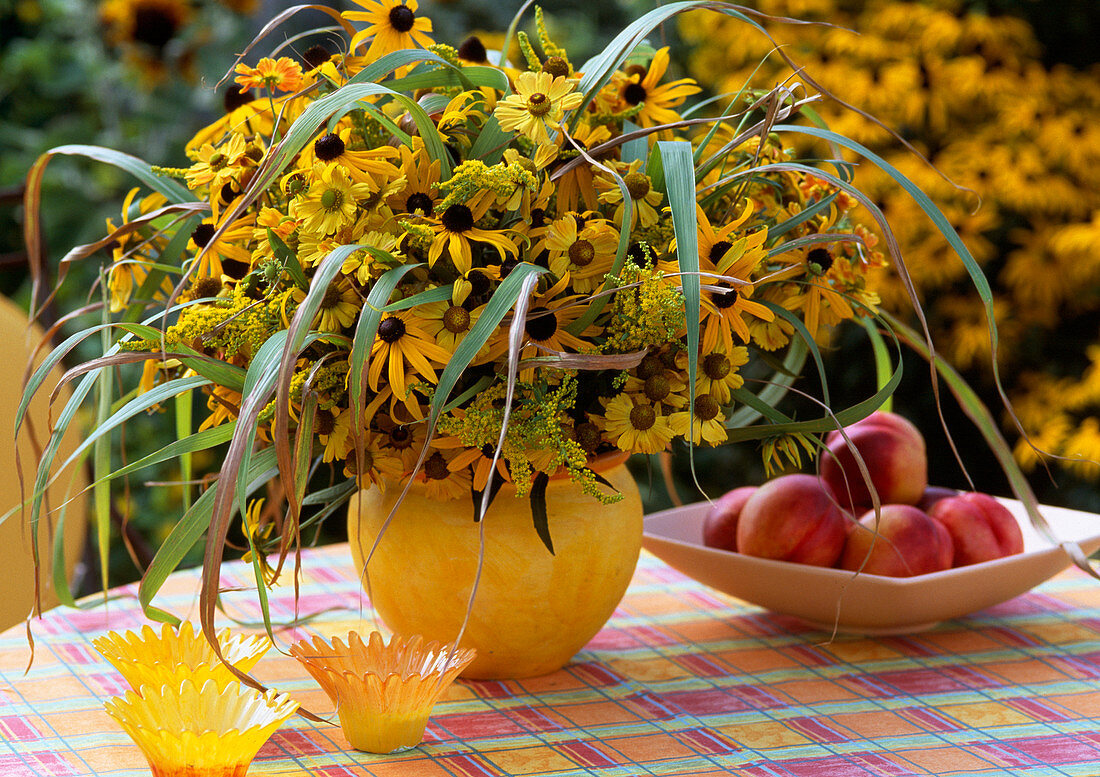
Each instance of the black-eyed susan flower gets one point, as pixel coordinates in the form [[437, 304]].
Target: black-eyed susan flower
[[379, 465], [226, 254], [340, 305], [372, 166], [215, 166], [728, 260], [151, 23], [455, 231], [657, 100], [391, 26], [402, 339], [538, 105], [440, 480], [419, 194], [449, 323]]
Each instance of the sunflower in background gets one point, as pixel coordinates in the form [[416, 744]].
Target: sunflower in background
[[162, 39]]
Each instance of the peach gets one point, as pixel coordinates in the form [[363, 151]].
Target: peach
[[720, 523], [901, 542], [792, 518], [893, 451], [982, 528]]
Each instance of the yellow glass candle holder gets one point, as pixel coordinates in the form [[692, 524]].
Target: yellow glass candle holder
[[384, 693], [210, 730], [149, 658]]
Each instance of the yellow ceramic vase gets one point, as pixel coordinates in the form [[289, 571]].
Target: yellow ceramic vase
[[533, 611]]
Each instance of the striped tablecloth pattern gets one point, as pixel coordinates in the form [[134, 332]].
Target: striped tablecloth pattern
[[682, 681]]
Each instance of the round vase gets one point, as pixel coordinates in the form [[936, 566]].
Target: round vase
[[533, 610]]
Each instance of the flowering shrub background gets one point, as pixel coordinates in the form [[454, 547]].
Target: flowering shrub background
[[992, 108]]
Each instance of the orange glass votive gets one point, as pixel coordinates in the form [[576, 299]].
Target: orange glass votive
[[384, 693]]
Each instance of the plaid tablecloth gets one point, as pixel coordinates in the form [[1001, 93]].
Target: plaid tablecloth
[[682, 681]]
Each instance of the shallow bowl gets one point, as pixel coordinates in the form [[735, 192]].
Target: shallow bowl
[[863, 603]]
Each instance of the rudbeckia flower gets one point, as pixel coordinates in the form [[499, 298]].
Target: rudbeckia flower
[[392, 26], [657, 99]]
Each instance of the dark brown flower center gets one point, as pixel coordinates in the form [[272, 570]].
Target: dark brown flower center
[[582, 253], [479, 283], [402, 18], [316, 55], [640, 254], [718, 250], [724, 299], [588, 436], [637, 184], [458, 218], [541, 324], [538, 104], [556, 66], [634, 93], [202, 234], [401, 437], [473, 50], [456, 319], [328, 147], [716, 366], [419, 201], [435, 468], [819, 260], [331, 298], [657, 387], [324, 422], [235, 97], [205, 287], [650, 365], [153, 26], [643, 417], [391, 329], [228, 192], [706, 407]]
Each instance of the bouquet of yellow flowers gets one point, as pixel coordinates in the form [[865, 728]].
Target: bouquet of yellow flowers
[[407, 260]]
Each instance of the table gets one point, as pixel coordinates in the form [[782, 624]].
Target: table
[[682, 681]]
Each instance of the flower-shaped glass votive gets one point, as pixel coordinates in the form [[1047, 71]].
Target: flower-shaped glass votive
[[383, 693], [148, 658], [210, 730]]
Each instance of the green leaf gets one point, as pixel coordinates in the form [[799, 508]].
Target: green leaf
[[538, 510], [289, 259]]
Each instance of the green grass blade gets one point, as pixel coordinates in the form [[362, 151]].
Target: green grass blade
[[680, 180]]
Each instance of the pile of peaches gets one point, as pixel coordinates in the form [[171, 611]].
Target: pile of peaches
[[830, 521]]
